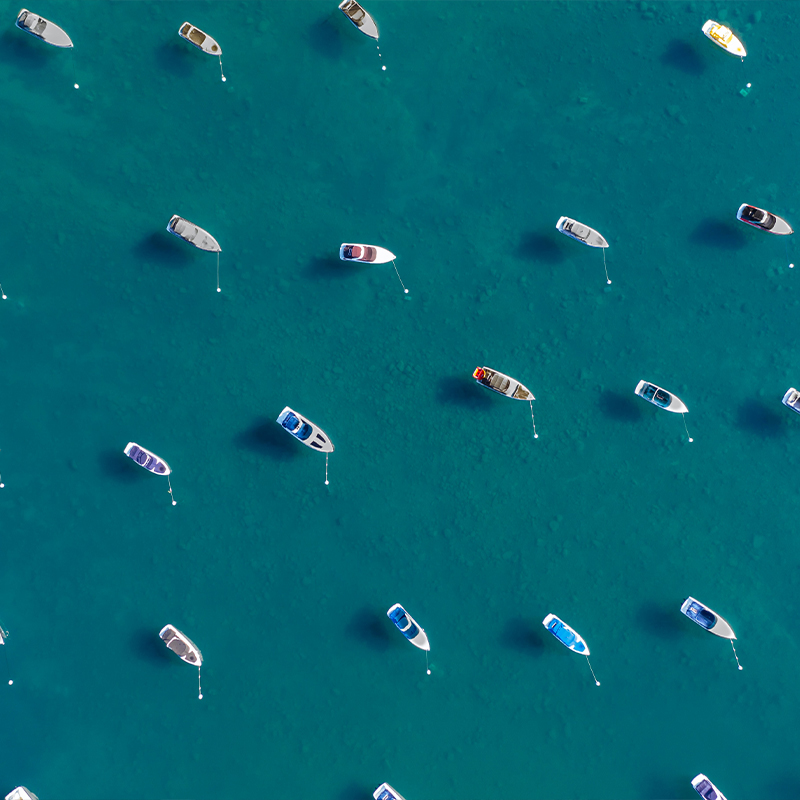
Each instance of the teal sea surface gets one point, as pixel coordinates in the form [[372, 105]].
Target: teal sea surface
[[490, 121]]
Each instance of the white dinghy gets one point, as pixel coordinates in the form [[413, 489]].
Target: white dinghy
[[584, 234], [150, 461], [202, 41], [21, 793], [369, 254], [305, 431], [183, 646], [196, 236], [792, 400], [710, 621], [409, 627], [570, 638], [359, 17], [386, 792], [42, 29], [505, 385]]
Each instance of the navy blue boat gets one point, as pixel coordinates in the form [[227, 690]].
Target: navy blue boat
[[408, 627], [144, 458]]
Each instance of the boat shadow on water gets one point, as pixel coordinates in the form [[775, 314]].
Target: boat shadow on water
[[177, 57], [713, 232], [757, 417], [162, 248], [520, 634], [325, 36], [685, 57], [331, 266], [266, 437], [146, 645], [661, 621], [461, 390], [541, 246], [114, 464], [24, 52], [619, 406], [372, 628]]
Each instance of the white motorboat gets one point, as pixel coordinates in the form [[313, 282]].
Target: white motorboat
[[146, 459], [195, 235], [660, 397], [724, 37], [386, 792], [365, 254], [792, 400], [408, 627], [3, 635], [703, 786], [359, 17], [183, 646], [21, 793], [502, 384], [304, 430], [202, 41], [42, 29], [706, 618], [580, 232], [763, 220]]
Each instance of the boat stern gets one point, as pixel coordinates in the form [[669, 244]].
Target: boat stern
[[792, 400]]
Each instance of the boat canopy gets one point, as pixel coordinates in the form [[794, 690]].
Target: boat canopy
[[706, 790], [404, 624], [701, 615]]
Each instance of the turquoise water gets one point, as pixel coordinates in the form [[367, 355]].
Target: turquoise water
[[490, 121]]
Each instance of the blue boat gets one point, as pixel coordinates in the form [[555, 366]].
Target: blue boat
[[408, 627], [304, 430], [566, 635]]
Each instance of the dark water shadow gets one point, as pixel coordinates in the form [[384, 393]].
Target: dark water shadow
[[355, 791], [520, 634], [713, 232], [177, 58], [164, 248], [757, 417], [683, 56], [538, 246], [330, 266], [23, 50], [326, 38], [146, 645], [371, 627], [117, 465], [266, 437], [622, 407], [460, 390], [664, 622]]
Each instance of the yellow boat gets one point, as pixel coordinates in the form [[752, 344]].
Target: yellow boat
[[724, 37]]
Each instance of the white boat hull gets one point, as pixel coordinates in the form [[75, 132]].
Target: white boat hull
[[721, 628], [724, 37], [698, 779], [502, 384], [170, 635], [579, 640], [676, 405], [371, 254], [361, 20], [792, 400], [580, 232], [158, 459], [42, 29], [200, 39], [317, 438], [193, 234], [780, 228]]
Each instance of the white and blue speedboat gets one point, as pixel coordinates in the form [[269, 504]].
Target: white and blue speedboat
[[569, 637], [304, 430], [151, 462], [42, 29], [408, 627], [706, 789], [709, 620], [386, 792], [21, 793]]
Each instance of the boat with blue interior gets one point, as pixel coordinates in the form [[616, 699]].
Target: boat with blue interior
[[304, 430], [569, 637], [42, 29], [763, 220], [660, 397], [146, 459], [792, 400], [706, 618], [386, 792], [359, 17], [703, 786], [408, 627]]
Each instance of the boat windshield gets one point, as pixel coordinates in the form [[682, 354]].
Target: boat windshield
[[662, 398], [753, 214]]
